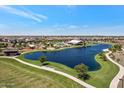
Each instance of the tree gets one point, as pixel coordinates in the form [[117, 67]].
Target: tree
[[0, 50], [102, 56], [115, 48], [18, 45], [82, 71], [81, 68], [42, 59], [84, 44], [86, 76], [2, 45]]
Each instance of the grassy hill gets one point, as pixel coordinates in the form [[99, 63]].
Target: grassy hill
[[14, 74]]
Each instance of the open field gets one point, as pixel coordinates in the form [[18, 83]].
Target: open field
[[14, 74], [100, 78]]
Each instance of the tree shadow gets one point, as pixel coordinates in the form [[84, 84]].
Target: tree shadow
[[44, 64]]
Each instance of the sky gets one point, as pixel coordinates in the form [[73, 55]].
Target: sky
[[62, 20]]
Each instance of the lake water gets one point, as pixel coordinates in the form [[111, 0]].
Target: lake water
[[73, 56]]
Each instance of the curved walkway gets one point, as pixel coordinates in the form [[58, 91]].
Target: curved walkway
[[55, 71], [115, 81]]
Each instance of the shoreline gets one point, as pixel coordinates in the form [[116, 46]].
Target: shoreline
[[58, 49], [62, 67], [22, 55]]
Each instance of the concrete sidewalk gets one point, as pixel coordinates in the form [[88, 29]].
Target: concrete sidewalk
[[115, 81]]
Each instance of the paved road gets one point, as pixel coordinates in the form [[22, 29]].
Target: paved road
[[115, 81], [55, 71]]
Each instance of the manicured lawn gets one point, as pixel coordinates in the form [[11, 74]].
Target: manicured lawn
[[103, 77], [15, 74], [55, 65], [100, 78]]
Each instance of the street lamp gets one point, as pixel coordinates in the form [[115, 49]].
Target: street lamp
[[122, 82]]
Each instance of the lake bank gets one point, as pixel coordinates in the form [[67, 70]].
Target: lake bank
[[71, 56], [99, 78]]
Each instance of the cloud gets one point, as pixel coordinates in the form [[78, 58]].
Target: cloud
[[65, 26], [41, 16], [24, 13]]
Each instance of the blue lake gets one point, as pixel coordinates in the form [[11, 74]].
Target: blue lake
[[73, 56]]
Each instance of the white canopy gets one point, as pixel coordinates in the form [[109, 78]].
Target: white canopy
[[74, 41]]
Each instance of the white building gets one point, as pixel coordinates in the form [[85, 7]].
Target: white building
[[32, 46], [74, 42]]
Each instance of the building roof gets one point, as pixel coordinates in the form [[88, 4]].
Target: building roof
[[10, 50], [74, 41], [31, 45]]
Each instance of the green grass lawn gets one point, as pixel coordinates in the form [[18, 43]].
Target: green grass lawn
[[14, 74], [100, 78], [55, 65]]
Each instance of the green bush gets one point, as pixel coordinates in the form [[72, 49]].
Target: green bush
[[82, 71]]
